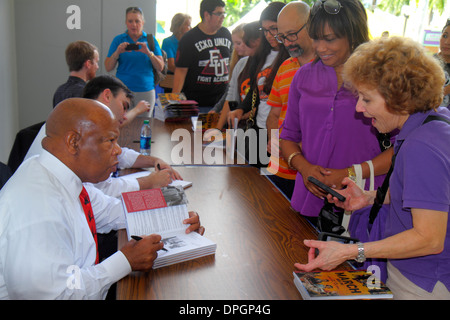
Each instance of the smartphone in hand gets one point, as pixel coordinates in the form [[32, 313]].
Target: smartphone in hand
[[326, 188]]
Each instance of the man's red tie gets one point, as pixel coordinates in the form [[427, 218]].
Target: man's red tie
[[86, 204]]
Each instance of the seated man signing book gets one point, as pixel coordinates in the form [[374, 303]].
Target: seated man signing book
[[48, 229]]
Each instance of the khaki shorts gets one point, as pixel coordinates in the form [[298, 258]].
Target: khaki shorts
[[404, 289]]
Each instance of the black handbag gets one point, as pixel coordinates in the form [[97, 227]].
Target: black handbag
[[330, 219]]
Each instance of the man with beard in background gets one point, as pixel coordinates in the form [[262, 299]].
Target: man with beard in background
[[292, 33]]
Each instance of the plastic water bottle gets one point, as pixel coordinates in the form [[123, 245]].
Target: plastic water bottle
[[146, 138]]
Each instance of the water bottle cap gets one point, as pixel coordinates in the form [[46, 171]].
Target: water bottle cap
[[146, 121]]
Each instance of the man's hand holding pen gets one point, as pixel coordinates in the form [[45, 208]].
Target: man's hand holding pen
[[141, 254], [161, 165], [142, 251]]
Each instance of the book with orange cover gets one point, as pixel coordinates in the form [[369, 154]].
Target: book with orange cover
[[334, 285]]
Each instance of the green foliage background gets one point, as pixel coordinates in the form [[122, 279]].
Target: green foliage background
[[238, 8]]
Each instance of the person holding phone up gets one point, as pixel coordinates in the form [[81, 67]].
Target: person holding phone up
[[135, 61]]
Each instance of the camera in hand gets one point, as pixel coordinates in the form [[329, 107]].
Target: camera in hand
[[132, 46]]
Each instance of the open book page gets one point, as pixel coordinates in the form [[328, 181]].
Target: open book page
[[165, 221], [155, 211], [162, 211]]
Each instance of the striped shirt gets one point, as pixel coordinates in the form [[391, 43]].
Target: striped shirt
[[279, 99]]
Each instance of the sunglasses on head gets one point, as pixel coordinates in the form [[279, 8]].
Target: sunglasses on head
[[134, 9], [330, 6]]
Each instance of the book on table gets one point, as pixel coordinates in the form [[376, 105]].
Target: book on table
[[206, 125], [162, 211], [205, 121], [340, 285]]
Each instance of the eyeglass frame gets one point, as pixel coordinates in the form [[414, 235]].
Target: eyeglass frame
[[219, 14], [321, 4], [268, 31], [130, 9], [285, 37]]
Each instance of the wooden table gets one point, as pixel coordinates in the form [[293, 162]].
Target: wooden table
[[259, 238], [163, 147]]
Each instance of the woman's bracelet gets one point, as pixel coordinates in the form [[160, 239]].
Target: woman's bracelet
[[292, 157]]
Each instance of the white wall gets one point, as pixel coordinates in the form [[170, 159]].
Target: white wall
[[9, 117], [42, 37], [33, 37]]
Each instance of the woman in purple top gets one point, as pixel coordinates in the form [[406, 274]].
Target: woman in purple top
[[400, 87], [323, 136]]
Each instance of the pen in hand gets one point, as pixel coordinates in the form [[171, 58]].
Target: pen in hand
[[139, 238]]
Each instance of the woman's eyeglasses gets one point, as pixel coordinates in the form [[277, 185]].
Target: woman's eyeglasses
[[330, 6], [290, 36], [273, 31]]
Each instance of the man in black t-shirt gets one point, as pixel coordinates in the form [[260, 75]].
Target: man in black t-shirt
[[203, 57]]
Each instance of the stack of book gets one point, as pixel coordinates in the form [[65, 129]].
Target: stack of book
[[162, 211], [176, 107]]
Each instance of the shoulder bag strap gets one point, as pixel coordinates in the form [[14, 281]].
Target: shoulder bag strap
[[382, 191], [151, 42]]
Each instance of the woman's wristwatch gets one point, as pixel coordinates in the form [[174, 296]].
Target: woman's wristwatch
[[361, 257]]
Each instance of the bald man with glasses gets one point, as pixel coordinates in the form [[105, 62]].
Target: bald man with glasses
[[293, 35]]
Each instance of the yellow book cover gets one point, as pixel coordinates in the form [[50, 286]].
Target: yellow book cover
[[165, 98], [351, 284]]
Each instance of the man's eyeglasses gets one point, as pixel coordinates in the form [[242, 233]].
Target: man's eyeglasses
[[219, 14], [330, 6], [290, 36], [273, 31]]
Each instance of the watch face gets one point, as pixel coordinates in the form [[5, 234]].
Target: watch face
[[361, 256]]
